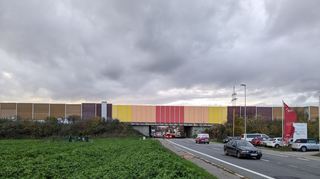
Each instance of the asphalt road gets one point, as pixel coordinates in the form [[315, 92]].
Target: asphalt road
[[273, 164]]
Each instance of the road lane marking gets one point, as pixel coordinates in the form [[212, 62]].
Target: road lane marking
[[222, 161], [303, 159], [265, 160]]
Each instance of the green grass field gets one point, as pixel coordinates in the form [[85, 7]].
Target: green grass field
[[99, 158]]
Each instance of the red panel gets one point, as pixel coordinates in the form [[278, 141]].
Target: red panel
[[167, 114], [181, 115], [158, 114], [163, 114], [176, 114], [171, 114]]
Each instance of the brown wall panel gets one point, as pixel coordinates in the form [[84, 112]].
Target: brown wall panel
[[8, 110], [277, 113], [314, 112], [73, 110], [41, 111], [57, 110], [24, 111]]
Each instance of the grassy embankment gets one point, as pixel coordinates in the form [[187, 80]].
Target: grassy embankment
[[99, 158]]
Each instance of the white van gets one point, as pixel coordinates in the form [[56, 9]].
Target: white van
[[250, 136]]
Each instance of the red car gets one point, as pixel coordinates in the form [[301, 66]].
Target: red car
[[202, 138], [256, 141], [169, 136]]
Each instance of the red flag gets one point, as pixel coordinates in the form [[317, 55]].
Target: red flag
[[290, 117]]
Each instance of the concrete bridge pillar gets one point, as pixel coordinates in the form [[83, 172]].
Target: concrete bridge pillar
[[144, 130]]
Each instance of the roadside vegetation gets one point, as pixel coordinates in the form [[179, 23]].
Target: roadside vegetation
[[98, 158], [51, 128]]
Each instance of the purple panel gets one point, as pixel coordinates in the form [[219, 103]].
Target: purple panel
[[231, 109], [265, 113], [251, 112], [109, 110], [88, 110], [98, 108]]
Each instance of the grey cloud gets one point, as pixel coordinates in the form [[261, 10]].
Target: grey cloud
[[128, 51]]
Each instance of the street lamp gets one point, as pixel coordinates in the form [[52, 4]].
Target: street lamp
[[245, 109]]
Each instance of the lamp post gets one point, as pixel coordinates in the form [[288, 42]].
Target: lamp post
[[319, 121], [245, 109]]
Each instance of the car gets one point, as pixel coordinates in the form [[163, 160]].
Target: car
[[305, 145], [274, 142], [256, 141], [250, 136], [242, 148], [169, 136], [202, 138]]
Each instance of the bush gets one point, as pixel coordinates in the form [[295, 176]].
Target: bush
[[34, 129]]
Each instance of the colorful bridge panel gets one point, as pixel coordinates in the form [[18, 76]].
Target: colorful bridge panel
[[40, 111], [57, 110], [264, 113], [88, 110], [122, 113], [24, 111], [8, 110], [218, 115], [196, 114], [169, 114], [143, 114]]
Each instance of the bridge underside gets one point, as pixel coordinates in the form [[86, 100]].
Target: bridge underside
[[180, 130]]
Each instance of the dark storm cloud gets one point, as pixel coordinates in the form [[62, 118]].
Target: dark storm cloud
[[159, 51]]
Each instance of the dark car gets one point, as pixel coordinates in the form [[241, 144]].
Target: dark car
[[242, 149]]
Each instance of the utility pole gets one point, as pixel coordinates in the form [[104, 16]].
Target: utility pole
[[245, 109], [234, 103]]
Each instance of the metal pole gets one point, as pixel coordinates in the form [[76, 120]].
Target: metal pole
[[319, 121], [245, 109], [282, 120]]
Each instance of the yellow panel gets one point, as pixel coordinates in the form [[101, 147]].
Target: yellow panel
[[124, 113], [114, 112], [218, 115]]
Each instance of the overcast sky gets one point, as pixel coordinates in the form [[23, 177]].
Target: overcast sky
[[180, 52]]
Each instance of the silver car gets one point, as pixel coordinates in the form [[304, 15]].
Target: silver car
[[305, 144]]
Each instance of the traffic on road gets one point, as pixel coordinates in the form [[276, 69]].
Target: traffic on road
[[243, 158]]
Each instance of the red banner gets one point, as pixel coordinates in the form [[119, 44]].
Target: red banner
[[290, 117]]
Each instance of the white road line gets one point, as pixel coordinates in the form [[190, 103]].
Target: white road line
[[265, 160], [231, 164], [303, 159]]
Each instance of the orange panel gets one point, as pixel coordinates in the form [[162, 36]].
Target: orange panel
[[196, 114], [143, 114]]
